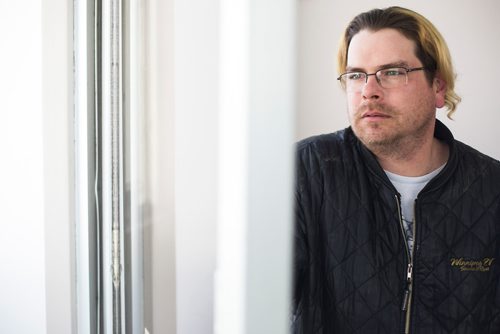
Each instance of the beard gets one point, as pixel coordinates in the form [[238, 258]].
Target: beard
[[398, 136]]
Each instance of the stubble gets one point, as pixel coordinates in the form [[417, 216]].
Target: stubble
[[398, 137]]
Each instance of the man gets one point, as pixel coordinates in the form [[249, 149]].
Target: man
[[397, 223]]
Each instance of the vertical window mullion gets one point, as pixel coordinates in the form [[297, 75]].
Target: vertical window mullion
[[112, 168], [85, 163], [110, 156]]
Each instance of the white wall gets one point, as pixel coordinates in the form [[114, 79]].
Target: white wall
[[57, 104], [256, 118], [159, 244], [35, 201], [234, 84], [22, 255], [196, 117], [471, 30]]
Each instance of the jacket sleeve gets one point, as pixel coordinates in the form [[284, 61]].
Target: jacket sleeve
[[300, 250]]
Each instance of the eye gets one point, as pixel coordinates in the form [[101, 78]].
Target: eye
[[354, 76], [392, 72]]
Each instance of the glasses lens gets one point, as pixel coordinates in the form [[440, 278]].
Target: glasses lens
[[353, 81], [392, 77]]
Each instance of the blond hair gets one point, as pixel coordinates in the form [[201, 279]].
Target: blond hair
[[431, 48]]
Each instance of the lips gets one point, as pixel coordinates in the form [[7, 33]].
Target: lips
[[374, 111], [374, 114]]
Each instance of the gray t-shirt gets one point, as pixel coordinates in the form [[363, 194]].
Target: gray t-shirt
[[409, 187]]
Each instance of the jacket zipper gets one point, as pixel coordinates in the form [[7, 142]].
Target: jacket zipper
[[409, 270]]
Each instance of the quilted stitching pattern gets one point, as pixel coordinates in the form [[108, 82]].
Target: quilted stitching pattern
[[350, 253], [465, 226]]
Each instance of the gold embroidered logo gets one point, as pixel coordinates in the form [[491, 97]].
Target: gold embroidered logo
[[473, 264]]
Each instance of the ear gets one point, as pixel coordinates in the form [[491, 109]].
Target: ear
[[440, 87]]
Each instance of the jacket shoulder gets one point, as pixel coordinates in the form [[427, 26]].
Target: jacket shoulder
[[325, 146], [472, 156], [476, 170]]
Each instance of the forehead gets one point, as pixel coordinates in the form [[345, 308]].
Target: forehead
[[370, 50]]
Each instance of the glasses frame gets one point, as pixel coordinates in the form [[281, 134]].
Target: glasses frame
[[408, 70]]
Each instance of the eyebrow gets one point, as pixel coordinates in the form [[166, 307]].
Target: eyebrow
[[381, 67]]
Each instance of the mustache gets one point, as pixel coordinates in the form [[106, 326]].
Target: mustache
[[375, 106]]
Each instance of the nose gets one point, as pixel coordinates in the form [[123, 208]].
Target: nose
[[371, 89]]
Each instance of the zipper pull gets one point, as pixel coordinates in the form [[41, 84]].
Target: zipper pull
[[409, 273], [409, 276]]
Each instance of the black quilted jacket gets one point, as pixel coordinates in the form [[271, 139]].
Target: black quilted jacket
[[352, 270]]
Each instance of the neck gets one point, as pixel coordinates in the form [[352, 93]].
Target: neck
[[414, 160]]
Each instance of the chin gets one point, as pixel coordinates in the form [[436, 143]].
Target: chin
[[374, 140], [371, 135]]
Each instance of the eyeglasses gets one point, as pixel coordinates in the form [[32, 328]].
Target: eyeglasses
[[393, 77]]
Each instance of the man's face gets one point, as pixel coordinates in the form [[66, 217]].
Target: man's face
[[389, 118]]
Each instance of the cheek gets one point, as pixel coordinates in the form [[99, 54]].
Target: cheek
[[353, 101]]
